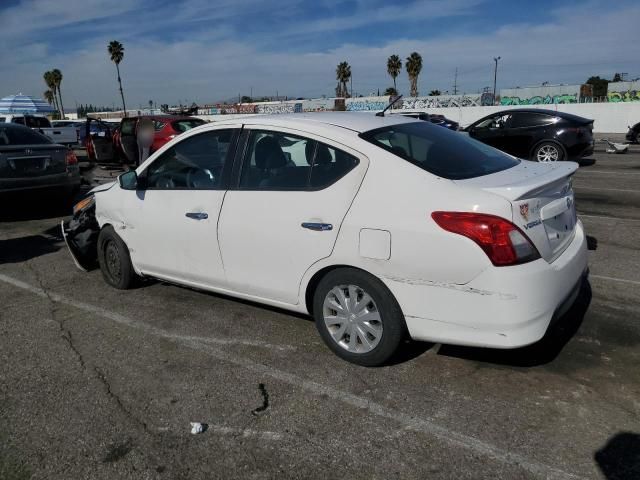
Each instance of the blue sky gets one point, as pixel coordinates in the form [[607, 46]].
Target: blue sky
[[204, 51]]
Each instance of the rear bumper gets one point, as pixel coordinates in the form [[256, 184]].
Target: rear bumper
[[504, 307]]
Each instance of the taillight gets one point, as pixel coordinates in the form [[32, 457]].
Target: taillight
[[71, 158], [501, 240]]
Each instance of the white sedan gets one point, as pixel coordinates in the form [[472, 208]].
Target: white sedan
[[377, 226]]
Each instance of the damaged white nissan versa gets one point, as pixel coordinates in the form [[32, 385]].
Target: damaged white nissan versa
[[378, 226]]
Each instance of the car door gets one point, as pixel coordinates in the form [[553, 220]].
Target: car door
[[524, 129], [171, 221], [491, 130], [128, 142], [284, 215]]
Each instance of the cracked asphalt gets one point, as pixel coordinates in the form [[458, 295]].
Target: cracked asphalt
[[101, 384]]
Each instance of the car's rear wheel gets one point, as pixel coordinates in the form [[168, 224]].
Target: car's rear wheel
[[114, 260], [358, 317], [548, 152]]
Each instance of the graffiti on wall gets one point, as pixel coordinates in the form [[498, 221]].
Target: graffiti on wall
[[361, 105], [271, 108], [628, 96], [539, 100], [317, 105], [443, 101]]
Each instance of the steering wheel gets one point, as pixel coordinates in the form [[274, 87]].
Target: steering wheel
[[199, 177]]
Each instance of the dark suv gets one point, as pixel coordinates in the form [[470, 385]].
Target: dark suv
[[536, 134]]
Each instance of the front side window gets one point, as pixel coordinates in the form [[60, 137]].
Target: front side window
[[498, 121], [440, 151], [195, 163]]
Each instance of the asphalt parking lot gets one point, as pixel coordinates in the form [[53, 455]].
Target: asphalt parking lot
[[98, 383]]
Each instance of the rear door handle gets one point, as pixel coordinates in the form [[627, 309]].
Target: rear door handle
[[319, 227], [197, 215]]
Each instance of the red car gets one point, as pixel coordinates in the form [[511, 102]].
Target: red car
[[166, 128]]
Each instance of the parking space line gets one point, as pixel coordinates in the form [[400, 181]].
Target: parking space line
[[411, 422], [614, 279], [603, 217], [605, 172], [580, 187]]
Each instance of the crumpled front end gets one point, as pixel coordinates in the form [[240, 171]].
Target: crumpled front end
[[81, 236]]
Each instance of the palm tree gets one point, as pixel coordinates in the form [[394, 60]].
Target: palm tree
[[49, 80], [116, 50], [343, 74], [48, 96], [394, 67], [57, 80], [435, 93], [391, 91], [414, 67]]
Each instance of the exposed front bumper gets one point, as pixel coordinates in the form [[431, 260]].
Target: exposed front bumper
[[504, 307]]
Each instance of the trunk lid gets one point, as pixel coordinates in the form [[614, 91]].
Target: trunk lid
[[24, 161], [542, 202]]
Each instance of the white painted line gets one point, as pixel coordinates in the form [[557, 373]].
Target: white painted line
[[579, 187], [116, 317], [236, 432], [614, 279], [605, 172], [613, 219], [424, 425]]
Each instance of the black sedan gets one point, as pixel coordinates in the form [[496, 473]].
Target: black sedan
[[536, 134], [31, 161], [433, 118]]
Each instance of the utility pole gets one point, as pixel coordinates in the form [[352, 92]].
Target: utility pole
[[351, 85], [251, 96], [622, 75], [495, 76], [455, 82]]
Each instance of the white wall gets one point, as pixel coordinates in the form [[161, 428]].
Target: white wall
[[608, 117]]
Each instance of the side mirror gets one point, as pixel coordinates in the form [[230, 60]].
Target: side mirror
[[129, 180]]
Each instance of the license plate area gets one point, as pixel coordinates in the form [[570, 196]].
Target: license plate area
[[29, 165], [560, 224]]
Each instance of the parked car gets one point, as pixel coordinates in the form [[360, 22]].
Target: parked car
[[60, 135], [375, 226], [77, 124], [633, 135], [433, 118], [99, 139], [536, 134], [166, 127], [32, 161]]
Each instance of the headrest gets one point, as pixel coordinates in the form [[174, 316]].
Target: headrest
[[269, 154], [323, 156]]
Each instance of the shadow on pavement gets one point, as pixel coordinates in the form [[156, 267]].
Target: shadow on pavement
[[619, 459], [17, 250], [541, 352], [586, 162], [21, 206]]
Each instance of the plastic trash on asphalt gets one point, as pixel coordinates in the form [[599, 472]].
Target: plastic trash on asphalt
[[197, 427]]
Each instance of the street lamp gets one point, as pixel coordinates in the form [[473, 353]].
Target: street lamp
[[495, 75]]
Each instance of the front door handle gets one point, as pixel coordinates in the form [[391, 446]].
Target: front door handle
[[197, 215], [319, 227]]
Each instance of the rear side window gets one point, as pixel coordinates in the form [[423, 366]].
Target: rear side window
[[440, 151], [530, 120], [21, 136], [281, 161]]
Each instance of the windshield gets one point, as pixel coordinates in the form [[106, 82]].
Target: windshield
[[184, 125], [21, 136], [440, 151]]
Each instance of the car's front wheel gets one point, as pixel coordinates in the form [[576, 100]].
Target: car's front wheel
[[114, 260], [548, 152], [358, 317]]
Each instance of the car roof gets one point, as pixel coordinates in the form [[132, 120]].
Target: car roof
[[355, 121], [546, 111], [166, 117]]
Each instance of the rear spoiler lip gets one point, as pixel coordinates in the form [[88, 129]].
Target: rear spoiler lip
[[529, 187]]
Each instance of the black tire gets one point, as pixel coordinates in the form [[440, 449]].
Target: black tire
[[114, 260], [392, 320], [548, 146]]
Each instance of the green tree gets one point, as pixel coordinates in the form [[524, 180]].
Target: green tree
[[435, 93], [48, 96], [246, 99], [391, 91], [116, 52], [617, 77], [57, 80], [599, 86], [343, 74], [414, 67], [51, 84], [394, 67]]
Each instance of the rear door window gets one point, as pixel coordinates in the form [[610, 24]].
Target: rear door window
[[22, 136], [128, 127], [527, 119], [440, 151]]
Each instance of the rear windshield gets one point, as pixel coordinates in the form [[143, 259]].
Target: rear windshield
[[440, 151], [184, 125], [21, 136]]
